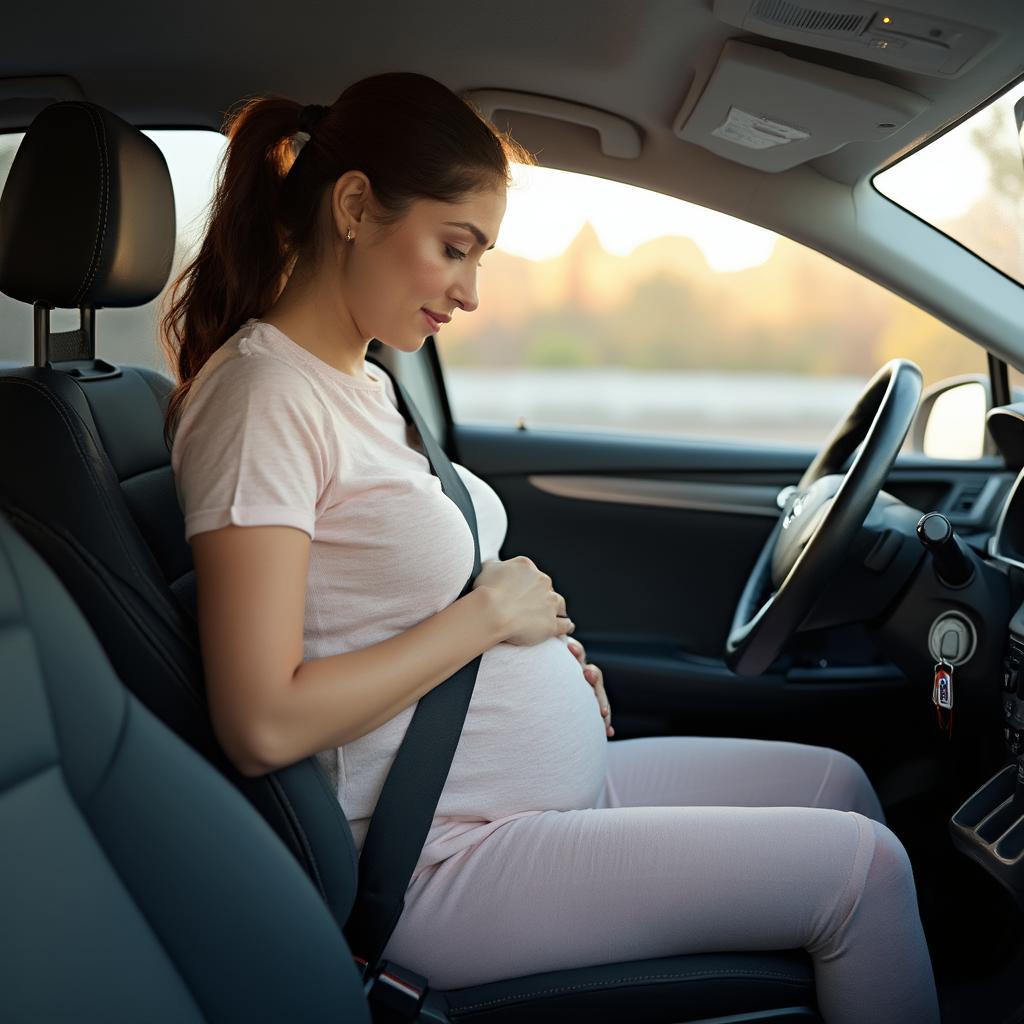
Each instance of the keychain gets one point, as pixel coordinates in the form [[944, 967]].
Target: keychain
[[942, 696]]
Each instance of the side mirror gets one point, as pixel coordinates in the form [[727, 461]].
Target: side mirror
[[950, 422]]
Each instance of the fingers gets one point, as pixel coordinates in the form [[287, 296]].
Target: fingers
[[595, 677], [577, 649], [565, 624]]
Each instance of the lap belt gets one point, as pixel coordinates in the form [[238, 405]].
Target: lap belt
[[405, 808]]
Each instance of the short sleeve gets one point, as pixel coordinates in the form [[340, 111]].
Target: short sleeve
[[251, 448]]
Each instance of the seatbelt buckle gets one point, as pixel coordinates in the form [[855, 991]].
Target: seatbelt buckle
[[395, 993], [362, 966]]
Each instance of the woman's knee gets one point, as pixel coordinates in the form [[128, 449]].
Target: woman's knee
[[887, 896], [879, 889], [890, 866]]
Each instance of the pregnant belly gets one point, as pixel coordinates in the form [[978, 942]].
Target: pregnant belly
[[534, 738]]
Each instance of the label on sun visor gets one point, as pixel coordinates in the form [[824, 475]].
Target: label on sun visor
[[756, 132]]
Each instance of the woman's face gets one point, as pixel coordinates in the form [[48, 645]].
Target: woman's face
[[428, 260]]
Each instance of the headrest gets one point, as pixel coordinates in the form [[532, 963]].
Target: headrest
[[87, 214]]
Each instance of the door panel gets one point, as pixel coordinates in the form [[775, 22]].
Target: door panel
[[650, 540]]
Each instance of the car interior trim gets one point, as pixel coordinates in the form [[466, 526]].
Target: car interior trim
[[738, 499]]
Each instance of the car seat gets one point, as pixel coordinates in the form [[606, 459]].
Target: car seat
[[85, 476]]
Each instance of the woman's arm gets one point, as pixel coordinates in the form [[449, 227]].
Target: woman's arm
[[269, 707]]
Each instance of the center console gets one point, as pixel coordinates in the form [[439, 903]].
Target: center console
[[989, 826]]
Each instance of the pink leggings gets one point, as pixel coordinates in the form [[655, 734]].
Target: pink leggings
[[697, 845]]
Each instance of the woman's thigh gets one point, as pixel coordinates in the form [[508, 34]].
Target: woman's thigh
[[564, 889], [705, 771]]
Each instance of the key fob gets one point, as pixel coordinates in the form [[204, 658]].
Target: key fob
[[942, 689]]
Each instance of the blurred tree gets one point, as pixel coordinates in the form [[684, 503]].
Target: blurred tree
[[994, 134]]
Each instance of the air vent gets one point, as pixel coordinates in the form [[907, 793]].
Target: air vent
[[781, 12], [966, 499]]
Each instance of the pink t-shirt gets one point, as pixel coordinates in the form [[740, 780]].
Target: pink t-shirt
[[272, 435]]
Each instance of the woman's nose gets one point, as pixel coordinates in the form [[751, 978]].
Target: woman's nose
[[467, 301], [464, 295]]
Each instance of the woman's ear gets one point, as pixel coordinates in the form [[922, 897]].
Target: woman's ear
[[349, 198]]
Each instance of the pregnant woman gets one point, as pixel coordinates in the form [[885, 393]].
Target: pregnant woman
[[329, 566]]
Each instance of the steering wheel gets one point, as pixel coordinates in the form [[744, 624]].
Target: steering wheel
[[821, 518]]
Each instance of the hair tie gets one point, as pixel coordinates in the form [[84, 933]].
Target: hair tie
[[309, 115]]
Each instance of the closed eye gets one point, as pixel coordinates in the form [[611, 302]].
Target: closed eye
[[457, 254]]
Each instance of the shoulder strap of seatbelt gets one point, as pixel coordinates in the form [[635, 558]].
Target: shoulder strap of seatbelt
[[405, 808]]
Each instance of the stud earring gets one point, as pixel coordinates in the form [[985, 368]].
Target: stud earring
[[348, 235]]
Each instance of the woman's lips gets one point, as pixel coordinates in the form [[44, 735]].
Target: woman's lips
[[434, 325]]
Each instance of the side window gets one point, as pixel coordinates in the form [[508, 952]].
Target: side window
[[612, 308], [128, 335]]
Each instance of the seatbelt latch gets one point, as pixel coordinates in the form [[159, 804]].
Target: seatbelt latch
[[395, 993]]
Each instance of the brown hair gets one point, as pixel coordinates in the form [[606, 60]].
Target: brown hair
[[409, 134]]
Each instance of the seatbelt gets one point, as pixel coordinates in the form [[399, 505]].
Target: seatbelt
[[405, 808]]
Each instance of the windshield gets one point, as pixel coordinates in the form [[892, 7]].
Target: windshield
[[969, 183]]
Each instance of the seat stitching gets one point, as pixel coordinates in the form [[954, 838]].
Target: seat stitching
[[723, 973], [122, 731], [115, 751], [98, 130]]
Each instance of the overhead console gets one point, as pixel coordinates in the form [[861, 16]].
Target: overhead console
[[886, 33], [772, 112]]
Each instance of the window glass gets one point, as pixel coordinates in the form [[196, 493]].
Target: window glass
[[969, 183], [129, 335], [609, 307]]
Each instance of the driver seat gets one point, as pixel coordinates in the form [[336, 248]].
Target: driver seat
[[88, 483]]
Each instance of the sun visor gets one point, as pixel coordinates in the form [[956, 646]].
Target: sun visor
[[772, 112]]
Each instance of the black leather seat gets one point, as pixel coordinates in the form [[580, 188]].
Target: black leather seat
[[87, 481], [135, 884]]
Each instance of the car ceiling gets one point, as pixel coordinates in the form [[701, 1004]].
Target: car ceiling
[[645, 61]]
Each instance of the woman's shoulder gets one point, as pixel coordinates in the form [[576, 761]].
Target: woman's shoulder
[[246, 365], [243, 386]]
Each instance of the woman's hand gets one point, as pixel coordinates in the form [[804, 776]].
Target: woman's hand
[[528, 609], [595, 677]]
